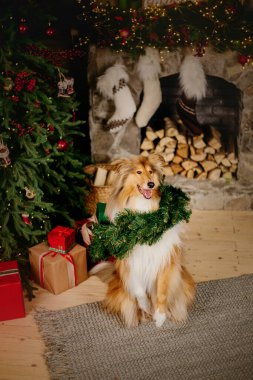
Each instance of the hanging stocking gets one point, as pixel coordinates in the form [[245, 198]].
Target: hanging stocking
[[113, 85], [149, 68], [193, 83], [25, 217]]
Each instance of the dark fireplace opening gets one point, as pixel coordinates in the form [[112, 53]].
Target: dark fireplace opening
[[219, 114]]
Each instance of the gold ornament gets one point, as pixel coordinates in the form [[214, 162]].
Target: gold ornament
[[8, 84], [29, 193]]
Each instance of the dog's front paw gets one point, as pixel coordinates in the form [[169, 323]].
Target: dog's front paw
[[159, 318], [144, 304]]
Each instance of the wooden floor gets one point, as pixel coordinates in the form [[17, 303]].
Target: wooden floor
[[218, 244]]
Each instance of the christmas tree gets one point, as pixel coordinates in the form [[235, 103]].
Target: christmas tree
[[41, 171]]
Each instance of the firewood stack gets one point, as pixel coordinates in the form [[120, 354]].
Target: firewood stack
[[197, 157]]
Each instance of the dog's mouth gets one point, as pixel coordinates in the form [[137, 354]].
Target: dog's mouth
[[147, 193]]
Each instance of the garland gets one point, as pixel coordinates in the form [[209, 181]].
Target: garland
[[223, 24], [130, 228]]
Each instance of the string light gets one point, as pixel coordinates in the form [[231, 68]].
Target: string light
[[159, 26]]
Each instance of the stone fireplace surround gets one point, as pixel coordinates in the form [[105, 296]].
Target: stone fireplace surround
[[236, 194]]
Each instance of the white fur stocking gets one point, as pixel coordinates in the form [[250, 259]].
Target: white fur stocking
[[113, 85], [193, 82], [192, 78], [149, 68]]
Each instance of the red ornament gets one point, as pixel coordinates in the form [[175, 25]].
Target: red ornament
[[50, 32], [23, 27], [47, 151], [50, 128], [62, 145], [124, 33], [15, 98], [243, 59], [119, 18], [231, 9], [37, 104]]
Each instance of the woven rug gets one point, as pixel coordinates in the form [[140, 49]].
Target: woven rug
[[216, 342]]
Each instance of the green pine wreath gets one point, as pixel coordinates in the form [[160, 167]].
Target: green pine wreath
[[130, 228]]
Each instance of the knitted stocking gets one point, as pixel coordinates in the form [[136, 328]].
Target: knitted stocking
[[113, 85]]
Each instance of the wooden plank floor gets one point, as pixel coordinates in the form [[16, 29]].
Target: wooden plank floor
[[218, 244]]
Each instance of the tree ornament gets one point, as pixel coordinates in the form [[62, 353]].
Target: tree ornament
[[50, 32], [47, 151], [8, 84], [124, 33], [230, 10], [65, 85], [15, 98], [37, 104], [25, 217], [4, 155], [70, 86], [62, 145], [29, 193], [243, 59], [23, 26], [50, 128], [118, 18]]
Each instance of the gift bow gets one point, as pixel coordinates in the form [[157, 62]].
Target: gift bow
[[63, 231], [86, 229], [72, 276]]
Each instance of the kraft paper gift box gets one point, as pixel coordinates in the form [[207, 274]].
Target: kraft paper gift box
[[56, 271], [11, 292]]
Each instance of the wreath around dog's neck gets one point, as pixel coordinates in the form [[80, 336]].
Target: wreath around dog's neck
[[129, 228]]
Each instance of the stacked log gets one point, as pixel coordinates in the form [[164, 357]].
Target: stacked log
[[199, 157]]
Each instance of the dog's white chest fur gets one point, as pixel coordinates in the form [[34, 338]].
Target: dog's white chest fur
[[145, 261], [140, 203]]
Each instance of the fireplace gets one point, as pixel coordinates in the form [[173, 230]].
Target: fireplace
[[228, 107]]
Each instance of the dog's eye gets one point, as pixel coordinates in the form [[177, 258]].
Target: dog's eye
[[139, 172], [150, 172]]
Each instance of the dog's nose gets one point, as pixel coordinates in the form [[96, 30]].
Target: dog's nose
[[151, 184]]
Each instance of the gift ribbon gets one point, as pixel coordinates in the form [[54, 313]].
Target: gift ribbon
[[72, 276], [86, 230], [60, 250], [6, 272]]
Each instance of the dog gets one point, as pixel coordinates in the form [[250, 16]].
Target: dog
[[151, 280]]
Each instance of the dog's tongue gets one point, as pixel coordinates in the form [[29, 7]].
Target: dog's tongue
[[147, 193]]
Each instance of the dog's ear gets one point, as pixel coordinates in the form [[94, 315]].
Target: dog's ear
[[121, 165], [157, 161]]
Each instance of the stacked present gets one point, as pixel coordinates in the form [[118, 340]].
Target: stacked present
[[61, 264], [11, 292]]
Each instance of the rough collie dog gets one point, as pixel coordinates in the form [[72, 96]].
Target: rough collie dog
[[151, 280]]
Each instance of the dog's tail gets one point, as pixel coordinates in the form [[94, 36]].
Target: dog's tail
[[104, 271]]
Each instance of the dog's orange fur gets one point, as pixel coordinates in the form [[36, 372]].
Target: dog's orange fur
[[172, 289]]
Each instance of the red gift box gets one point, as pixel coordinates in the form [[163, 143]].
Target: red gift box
[[61, 239], [11, 292]]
